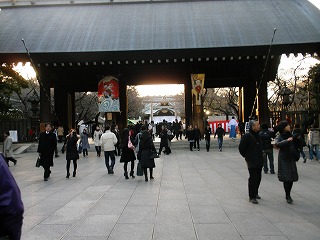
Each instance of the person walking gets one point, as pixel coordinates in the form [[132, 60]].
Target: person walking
[[232, 126], [84, 141], [72, 152], [180, 130], [302, 143], [314, 141], [11, 205], [115, 130], [190, 136], [207, 134], [127, 154], [164, 141], [287, 167], [267, 148], [250, 148], [7, 149], [96, 138], [46, 147], [56, 152], [145, 146], [108, 141], [220, 133], [197, 137]]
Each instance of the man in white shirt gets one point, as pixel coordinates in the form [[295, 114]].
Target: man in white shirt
[[108, 140]]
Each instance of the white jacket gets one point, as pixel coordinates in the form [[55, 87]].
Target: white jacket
[[108, 140], [96, 137]]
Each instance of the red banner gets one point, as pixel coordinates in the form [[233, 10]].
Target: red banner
[[108, 95]]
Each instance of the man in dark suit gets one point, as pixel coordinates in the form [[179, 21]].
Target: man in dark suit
[[250, 148], [46, 148]]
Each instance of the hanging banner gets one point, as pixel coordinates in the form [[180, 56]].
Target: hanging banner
[[197, 86], [108, 95]]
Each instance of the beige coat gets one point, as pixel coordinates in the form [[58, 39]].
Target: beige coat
[[7, 147]]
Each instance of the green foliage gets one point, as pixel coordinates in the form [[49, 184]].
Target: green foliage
[[314, 87], [10, 82]]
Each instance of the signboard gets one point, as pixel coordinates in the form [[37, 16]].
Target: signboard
[[108, 95]]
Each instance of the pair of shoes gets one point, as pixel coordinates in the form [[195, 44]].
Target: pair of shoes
[[198, 149], [132, 174], [207, 150], [289, 199], [191, 149], [146, 179], [272, 172], [253, 200], [151, 177], [266, 172], [258, 197], [126, 175], [56, 155], [45, 179], [220, 149], [109, 171], [304, 160], [74, 173], [68, 175]]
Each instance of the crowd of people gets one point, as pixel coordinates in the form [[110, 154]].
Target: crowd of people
[[136, 142]]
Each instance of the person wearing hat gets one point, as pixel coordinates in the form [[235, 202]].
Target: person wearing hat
[[250, 148]]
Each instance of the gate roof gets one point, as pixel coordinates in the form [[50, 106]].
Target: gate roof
[[158, 25]]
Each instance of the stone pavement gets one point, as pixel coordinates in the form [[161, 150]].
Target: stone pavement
[[195, 195]]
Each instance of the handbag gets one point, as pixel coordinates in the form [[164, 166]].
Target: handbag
[[38, 162], [130, 145], [154, 154], [139, 169]]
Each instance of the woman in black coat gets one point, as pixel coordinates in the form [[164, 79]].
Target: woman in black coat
[[46, 148], [127, 154], [164, 141], [287, 168], [145, 147], [72, 152]]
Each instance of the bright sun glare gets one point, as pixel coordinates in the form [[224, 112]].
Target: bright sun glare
[[160, 90]]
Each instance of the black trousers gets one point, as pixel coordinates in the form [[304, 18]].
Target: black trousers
[[287, 188], [125, 166], [47, 172], [196, 143], [75, 165], [98, 150], [254, 181]]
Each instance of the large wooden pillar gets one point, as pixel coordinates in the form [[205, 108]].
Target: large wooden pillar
[[188, 101], [248, 93], [61, 104], [45, 105], [123, 116], [263, 109]]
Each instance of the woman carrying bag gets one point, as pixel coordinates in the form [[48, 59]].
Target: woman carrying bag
[[127, 154], [288, 155], [72, 152]]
